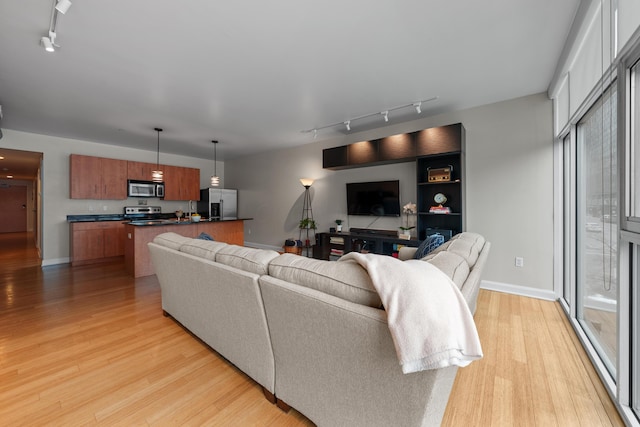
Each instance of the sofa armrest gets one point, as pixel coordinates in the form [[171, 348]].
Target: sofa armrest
[[406, 253]]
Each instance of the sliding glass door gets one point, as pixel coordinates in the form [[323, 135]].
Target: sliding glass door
[[596, 227]]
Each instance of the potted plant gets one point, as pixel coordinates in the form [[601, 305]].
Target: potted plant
[[338, 225], [307, 223], [408, 209]]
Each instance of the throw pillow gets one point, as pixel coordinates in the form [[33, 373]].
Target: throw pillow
[[204, 236], [428, 244]]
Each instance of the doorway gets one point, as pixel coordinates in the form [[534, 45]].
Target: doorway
[[20, 194]]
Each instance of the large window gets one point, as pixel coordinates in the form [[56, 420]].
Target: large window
[[634, 155], [596, 227]]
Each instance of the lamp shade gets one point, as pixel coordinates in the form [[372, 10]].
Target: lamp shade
[[307, 182]]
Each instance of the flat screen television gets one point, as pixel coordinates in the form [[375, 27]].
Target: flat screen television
[[380, 198]]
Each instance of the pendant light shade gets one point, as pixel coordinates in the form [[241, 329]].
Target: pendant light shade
[[157, 175], [215, 179]]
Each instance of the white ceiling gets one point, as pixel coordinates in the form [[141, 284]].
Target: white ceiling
[[255, 74]]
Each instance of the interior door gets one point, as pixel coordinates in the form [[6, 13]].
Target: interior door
[[13, 209]]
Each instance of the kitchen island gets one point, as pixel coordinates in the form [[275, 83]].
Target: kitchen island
[[139, 233]]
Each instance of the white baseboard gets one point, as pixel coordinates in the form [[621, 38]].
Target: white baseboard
[[55, 261], [261, 246], [524, 291]]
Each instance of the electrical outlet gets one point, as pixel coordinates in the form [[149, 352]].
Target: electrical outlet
[[105, 208], [519, 261], [142, 202]]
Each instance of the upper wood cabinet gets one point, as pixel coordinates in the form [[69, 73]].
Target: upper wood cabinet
[[101, 178], [140, 170], [395, 148], [97, 178], [181, 183]]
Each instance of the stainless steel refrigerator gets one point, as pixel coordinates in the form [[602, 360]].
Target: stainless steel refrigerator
[[218, 203]]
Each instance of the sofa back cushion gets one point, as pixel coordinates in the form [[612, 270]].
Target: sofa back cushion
[[345, 279], [171, 240], [451, 264], [206, 249], [247, 259], [467, 249], [476, 239]]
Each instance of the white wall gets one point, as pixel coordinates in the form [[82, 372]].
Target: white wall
[[509, 186], [56, 204]]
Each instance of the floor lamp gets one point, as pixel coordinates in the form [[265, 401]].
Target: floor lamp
[[306, 221]]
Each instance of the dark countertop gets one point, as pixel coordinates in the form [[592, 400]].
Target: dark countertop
[[157, 219], [94, 218], [157, 222]]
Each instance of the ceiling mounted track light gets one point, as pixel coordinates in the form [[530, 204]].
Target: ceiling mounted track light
[[63, 6], [157, 175], [215, 179], [49, 42], [385, 114]]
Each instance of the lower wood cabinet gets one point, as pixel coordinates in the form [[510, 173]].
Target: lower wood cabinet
[[93, 242]]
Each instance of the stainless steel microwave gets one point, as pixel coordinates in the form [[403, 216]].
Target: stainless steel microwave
[[145, 189]]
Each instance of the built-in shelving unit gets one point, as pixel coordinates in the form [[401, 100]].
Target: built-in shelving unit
[[331, 246], [431, 148]]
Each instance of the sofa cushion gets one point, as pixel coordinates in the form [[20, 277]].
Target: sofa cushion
[[344, 279], [247, 259], [466, 249], [171, 240], [451, 264], [206, 249], [477, 239]]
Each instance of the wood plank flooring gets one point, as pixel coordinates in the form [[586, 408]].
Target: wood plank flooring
[[89, 346]]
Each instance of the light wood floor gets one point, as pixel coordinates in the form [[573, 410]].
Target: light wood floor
[[89, 345]]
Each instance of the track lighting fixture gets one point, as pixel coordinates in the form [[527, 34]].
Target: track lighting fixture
[[385, 114], [157, 175], [48, 44], [215, 179], [59, 6], [63, 6]]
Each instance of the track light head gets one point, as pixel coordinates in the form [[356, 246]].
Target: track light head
[[348, 125], [385, 114], [47, 43], [63, 6], [417, 105]]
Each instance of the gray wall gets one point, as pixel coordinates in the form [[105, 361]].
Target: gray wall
[[509, 186]]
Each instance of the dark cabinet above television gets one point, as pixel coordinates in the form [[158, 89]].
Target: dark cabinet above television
[[405, 147]]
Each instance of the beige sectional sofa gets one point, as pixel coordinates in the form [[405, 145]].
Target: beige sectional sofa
[[312, 333]]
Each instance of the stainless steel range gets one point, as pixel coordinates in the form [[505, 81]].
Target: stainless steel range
[[142, 212]]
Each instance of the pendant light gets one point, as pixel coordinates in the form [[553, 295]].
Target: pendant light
[[215, 179], [157, 175]]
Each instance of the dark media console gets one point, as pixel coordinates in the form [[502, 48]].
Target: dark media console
[[331, 246]]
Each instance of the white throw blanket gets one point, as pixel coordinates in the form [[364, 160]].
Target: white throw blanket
[[430, 322]]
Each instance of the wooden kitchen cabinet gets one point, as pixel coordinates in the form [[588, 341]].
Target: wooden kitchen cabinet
[[181, 183], [140, 171], [97, 178], [93, 242]]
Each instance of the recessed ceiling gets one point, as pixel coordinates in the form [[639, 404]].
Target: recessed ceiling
[[254, 75]]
